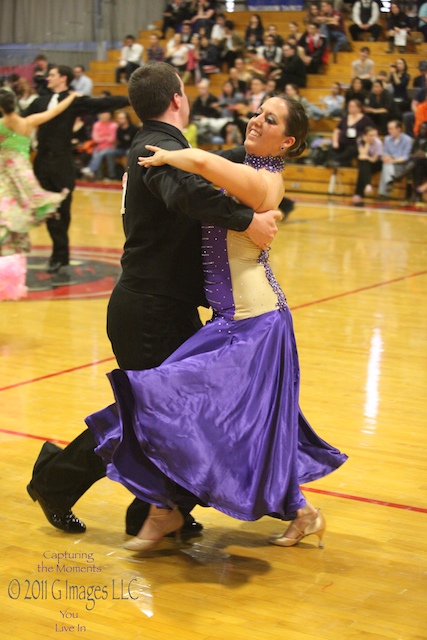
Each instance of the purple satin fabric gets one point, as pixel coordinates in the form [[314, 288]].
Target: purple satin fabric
[[219, 418]]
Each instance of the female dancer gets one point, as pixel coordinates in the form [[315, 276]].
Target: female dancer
[[220, 417], [23, 202]]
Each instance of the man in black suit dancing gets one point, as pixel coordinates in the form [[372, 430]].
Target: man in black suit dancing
[[153, 308], [53, 165]]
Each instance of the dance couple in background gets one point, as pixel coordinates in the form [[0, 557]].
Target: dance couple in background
[[23, 202]]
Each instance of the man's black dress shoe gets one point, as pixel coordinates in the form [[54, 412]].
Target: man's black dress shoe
[[190, 527], [61, 519], [54, 267]]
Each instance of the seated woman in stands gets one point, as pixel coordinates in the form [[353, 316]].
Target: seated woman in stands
[[292, 91], [398, 26], [399, 82], [356, 91], [254, 32], [344, 138], [418, 161], [369, 162], [378, 105]]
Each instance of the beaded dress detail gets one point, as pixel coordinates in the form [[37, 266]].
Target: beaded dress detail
[[220, 418]]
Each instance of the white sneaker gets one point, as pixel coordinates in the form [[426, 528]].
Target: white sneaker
[[87, 172]]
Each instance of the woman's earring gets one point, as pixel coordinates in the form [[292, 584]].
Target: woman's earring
[[282, 147]]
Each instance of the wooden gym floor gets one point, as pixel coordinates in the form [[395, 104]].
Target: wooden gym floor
[[356, 280]]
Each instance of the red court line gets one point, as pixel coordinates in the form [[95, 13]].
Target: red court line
[[300, 306], [57, 373], [334, 494], [369, 286], [30, 435], [382, 503]]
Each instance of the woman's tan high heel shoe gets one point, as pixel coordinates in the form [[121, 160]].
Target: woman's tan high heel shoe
[[316, 527], [159, 523]]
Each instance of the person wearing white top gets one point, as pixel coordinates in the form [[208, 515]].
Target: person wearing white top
[[130, 58], [366, 17], [82, 83]]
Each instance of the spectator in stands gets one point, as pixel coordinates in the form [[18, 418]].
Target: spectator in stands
[[399, 80], [313, 16], [370, 149], [240, 85], [422, 20], [41, 71], [205, 111], [271, 88], [420, 94], [363, 68], [254, 32], [125, 133], [334, 23], [208, 57], [10, 81], [330, 106], [218, 30], [420, 116], [379, 105], [397, 28], [243, 74], [293, 31], [25, 94], [292, 69], [177, 55], [232, 45], [356, 91], [396, 152], [344, 137], [334, 102], [155, 52], [130, 59], [186, 32], [418, 162], [256, 64], [193, 64], [252, 102], [173, 16], [228, 99], [203, 15], [314, 45], [420, 81], [256, 96], [81, 83], [271, 53], [104, 136], [292, 91], [365, 15], [272, 31]]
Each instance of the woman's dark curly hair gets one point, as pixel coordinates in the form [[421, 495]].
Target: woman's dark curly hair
[[7, 101], [296, 124]]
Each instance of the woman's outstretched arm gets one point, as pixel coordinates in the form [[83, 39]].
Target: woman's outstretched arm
[[243, 182]]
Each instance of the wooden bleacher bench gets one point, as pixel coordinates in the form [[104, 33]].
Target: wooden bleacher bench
[[298, 177]]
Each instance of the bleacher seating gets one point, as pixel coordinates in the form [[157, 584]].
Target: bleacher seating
[[299, 177]]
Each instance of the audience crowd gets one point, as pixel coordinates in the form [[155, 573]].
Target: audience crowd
[[379, 116]]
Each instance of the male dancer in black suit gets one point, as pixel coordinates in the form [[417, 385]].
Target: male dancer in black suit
[[53, 165], [153, 308]]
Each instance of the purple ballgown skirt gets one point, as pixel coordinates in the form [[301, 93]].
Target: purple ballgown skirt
[[220, 417]]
